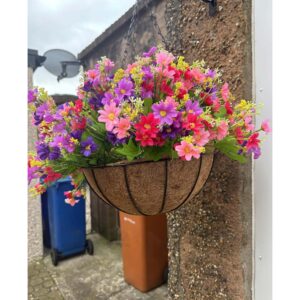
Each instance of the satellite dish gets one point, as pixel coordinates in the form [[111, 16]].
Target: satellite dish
[[61, 63]]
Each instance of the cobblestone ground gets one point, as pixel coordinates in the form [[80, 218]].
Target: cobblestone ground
[[86, 277], [41, 284]]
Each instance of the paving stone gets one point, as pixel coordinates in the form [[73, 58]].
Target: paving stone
[[86, 277]]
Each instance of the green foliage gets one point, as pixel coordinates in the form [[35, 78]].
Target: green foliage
[[147, 105], [130, 150], [221, 113], [229, 147]]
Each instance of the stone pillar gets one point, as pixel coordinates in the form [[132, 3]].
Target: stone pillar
[[210, 237], [35, 234]]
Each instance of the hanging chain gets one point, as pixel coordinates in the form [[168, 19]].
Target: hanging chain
[[131, 33]]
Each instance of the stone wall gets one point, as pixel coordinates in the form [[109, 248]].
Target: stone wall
[[210, 237]]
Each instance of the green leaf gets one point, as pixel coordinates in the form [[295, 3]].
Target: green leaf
[[230, 148], [156, 153], [147, 105], [221, 113], [130, 150]]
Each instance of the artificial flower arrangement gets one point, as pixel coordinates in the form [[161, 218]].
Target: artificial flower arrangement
[[157, 108]]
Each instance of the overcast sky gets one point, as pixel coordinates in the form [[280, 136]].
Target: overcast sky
[[71, 25]]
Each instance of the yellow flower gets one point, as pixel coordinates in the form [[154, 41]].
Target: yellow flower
[[181, 64], [188, 139], [119, 75]]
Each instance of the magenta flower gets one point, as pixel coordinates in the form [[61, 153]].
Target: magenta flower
[[150, 52], [193, 108], [125, 87], [32, 94], [164, 112]]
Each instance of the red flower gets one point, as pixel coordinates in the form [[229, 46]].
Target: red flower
[[78, 123], [144, 138], [177, 73], [239, 135], [188, 75], [228, 107], [148, 124], [165, 88], [207, 98], [253, 141], [182, 92], [51, 175], [146, 130], [78, 106], [159, 141], [193, 123]]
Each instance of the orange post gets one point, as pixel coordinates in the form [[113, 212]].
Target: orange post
[[144, 250]]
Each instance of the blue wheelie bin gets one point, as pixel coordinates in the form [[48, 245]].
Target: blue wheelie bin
[[65, 224]]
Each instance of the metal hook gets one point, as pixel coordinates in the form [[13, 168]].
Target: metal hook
[[212, 7]]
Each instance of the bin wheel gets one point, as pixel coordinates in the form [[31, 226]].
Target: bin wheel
[[54, 257], [89, 247]]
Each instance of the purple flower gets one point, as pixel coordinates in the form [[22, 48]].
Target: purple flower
[[76, 134], [112, 138], [109, 98], [95, 102], [32, 173], [87, 86], [58, 141], [193, 107], [88, 146], [150, 52], [165, 112], [54, 153], [43, 151], [60, 127], [170, 132], [37, 118], [124, 88], [147, 73], [32, 94], [146, 93], [256, 151], [211, 73]]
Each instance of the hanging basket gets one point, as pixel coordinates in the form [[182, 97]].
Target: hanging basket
[[147, 187]]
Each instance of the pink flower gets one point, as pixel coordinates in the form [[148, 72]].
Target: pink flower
[[225, 91], [265, 126], [222, 130], [108, 65], [71, 201], [164, 58], [216, 105], [92, 74], [171, 100], [248, 123], [202, 137], [187, 150], [122, 128], [197, 75], [109, 116]]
